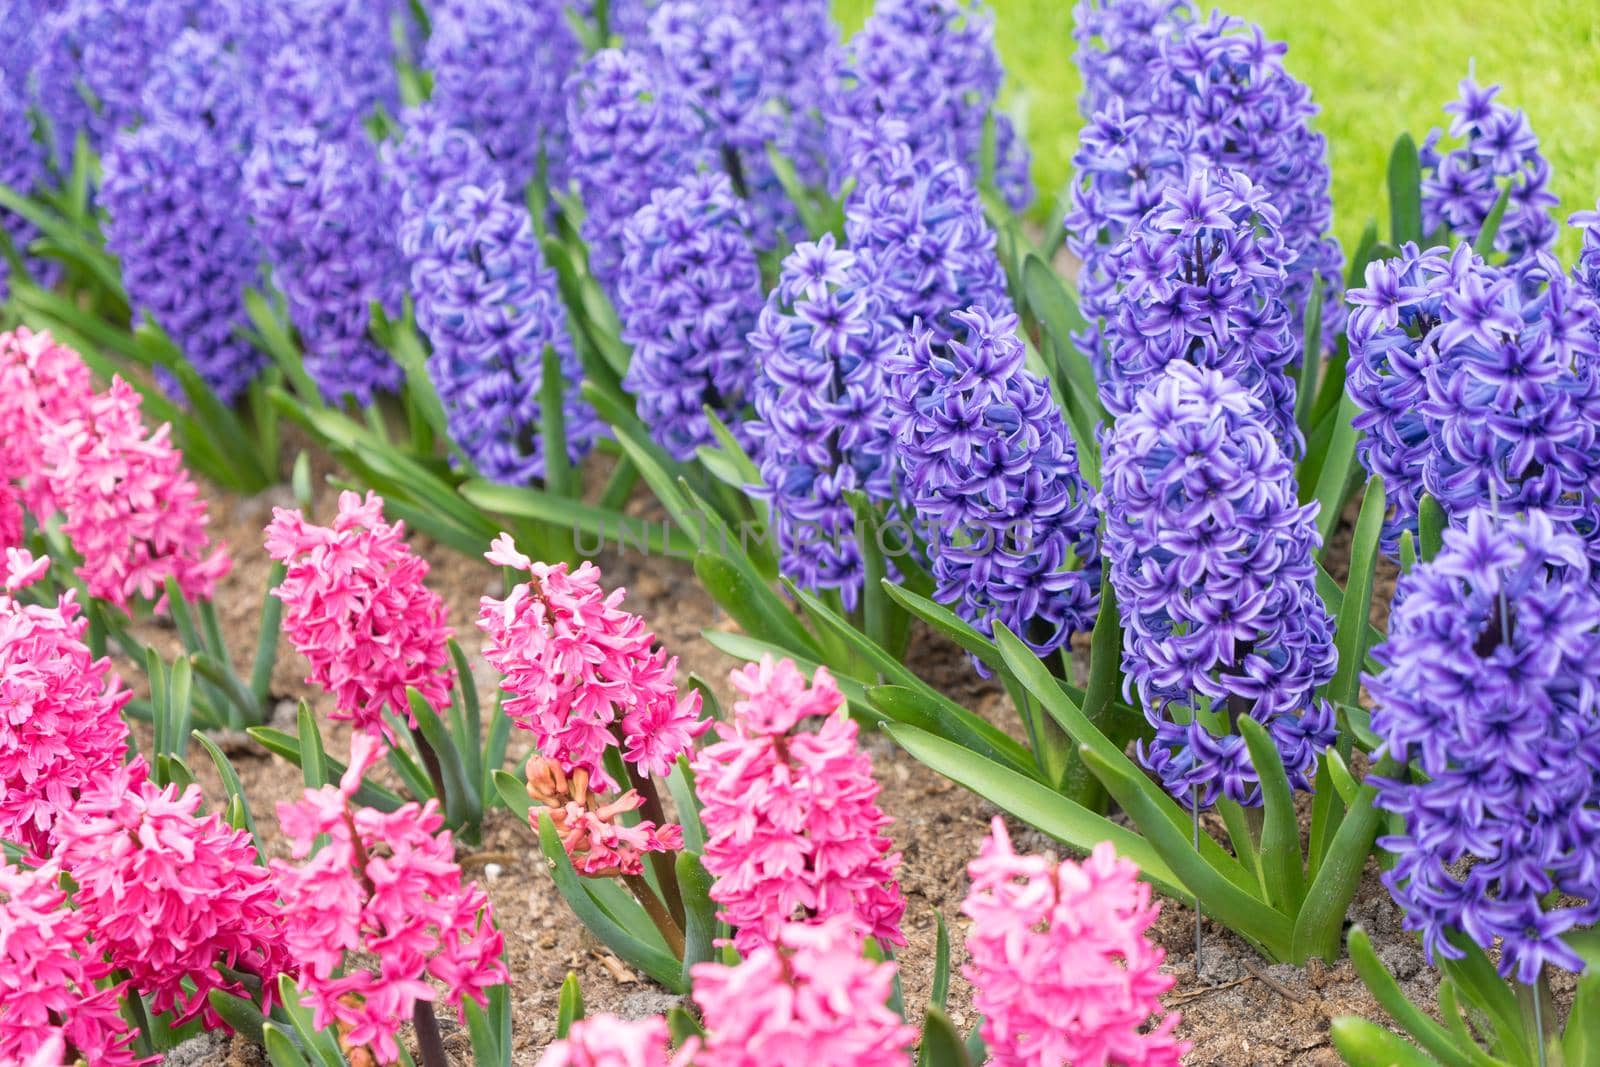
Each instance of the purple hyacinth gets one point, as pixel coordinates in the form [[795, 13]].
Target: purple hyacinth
[[1119, 47], [987, 465], [24, 23], [23, 167], [1587, 270], [1212, 558], [629, 136], [688, 295], [801, 42], [1487, 689], [176, 219], [1477, 384], [94, 59], [326, 214], [927, 72], [499, 68], [919, 232], [1202, 282], [431, 156], [200, 84], [1460, 187], [822, 420], [489, 305], [333, 66]]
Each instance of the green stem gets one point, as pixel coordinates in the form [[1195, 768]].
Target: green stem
[[671, 932]]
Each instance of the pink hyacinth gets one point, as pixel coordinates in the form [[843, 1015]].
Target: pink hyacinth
[[807, 999], [1062, 969], [599, 844], [385, 885], [48, 975], [607, 1041], [582, 672], [169, 894], [792, 821], [356, 607], [42, 384], [61, 727], [132, 512]]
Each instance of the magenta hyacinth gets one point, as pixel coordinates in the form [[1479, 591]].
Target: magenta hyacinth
[[792, 820], [356, 607], [42, 383], [1062, 966], [609, 1041]]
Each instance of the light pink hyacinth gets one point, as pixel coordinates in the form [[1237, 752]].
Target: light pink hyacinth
[[61, 727], [49, 999], [598, 842], [792, 820], [169, 894], [609, 1041], [131, 510], [387, 885], [42, 384], [582, 671], [1062, 969], [356, 607], [810, 998]]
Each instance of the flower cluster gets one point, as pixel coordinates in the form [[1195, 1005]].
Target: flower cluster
[[132, 512], [94, 58], [490, 306], [609, 1041], [988, 463], [800, 42], [688, 295], [1202, 282], [599, 844], [174, 195], [498, 71], [1461, 187], [431, 157], [1477, 384], [334, 64], [1487, 689], [324, 213], [22, 167], [823, 423], [42, 384], [63, 730], [171, 895], [582, 673], [199, 84], [1213, 561], [356, 607], [1063, 969], [385, 884], [50, 975], [918, 230], [1119, 47], [792, 821]]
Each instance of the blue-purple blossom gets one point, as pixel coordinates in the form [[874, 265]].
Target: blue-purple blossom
[[325, 214], [1461, 187], [629, 136], [431, 156], [94, 59], [499, 68], [333, 66], [199, 83], [988, 467], [22, 168], [1487, 690], [24, 23], [1586, 271], [801, 43], [1477, 384], [177, 221], [823, 421], [1119, 48], [1201, 281], [688, 295], [918, 230], [489, 305], [1212, 558]]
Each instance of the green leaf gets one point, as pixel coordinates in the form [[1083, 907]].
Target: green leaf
[[280, 1050], [1310, 359], [1344, 783], [230, 784], [941, 1045], [1320, 921], [288, 747], [939, 994], [1363, 1044], [1405, 192], [933, 715], [320, 1045], [604, 524], [487, 1051], [877, 611], [1434, 1038], [243, 1017], [700, 929], [1366, 246], [514, 792], [463, 805], [1352, 626], [267, 641], [951, 625], [1431, 523], [1334, 475], [681, 1025], [1281, 865], [1484, 245], [1477, 980], [313, 758], [680, 783], [553, 427], [571, 1005], [752, 603], [1581, 1044]]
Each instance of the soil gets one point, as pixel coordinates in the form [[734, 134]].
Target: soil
[[1238, 1010]]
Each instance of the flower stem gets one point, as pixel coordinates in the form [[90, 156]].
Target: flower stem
[[430, 1046], [430, 761], [671, 932], [663, 862]]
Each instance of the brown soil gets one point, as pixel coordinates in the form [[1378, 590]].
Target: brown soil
[[1239, 1010]]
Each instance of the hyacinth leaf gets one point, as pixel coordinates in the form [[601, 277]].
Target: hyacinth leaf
[[1405, 192], [1431, 523], [624, 909], [1352, 622], [399, 338], [655, 466], [320, 1046], [659, 964], [1475, 976], [939, 993], [977, 1051], [242, 1016], [751, 603], [1580, 1046], [514, 793], [466, 722], [884, 624], [231, 785], [1036, 804], [274, 339], [1310, 360], [1105, 656], [755, 559], [1334, 476], [950, 625], [1332, 595], [160, 716], [1239, 909], [815, 221], [1364, 1044], [487, 1050], [267, 641], [248, 467], [1279, 863], [1408, 552], [600, 523], [553, 427], [1327, 814], [1343, 781], [1320, 921], [170, 770], [700, 929], [1434, 1038], [1484, 245], [1364, 253], [680, 783], [70, 244], [462, 803], [941, 1044], [280, 1050], [681, 1025], [313, 758], [224, 687], [570, 1009], [287, 746], [911, 708]]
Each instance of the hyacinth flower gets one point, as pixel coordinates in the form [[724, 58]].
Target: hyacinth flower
[[688, 294], [1213, 561], [334, 65], [1118, 47], [170, 895], [490, 306], [793, 827], [1202, 282], [22, 168], [1478, 385], [1461, 187], [631, 133], [53, 990], [385, 886], [987, 464], [42, 384], [200, 84], [918, 231], [431, 156], [498, 70], [822, 421], [356, 606], [94, 58], [610, 1041], [1062, 965]]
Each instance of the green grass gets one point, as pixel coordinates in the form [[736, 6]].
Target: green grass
[[1376, 68]]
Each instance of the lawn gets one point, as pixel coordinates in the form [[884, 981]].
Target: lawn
[[1376, 68]]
